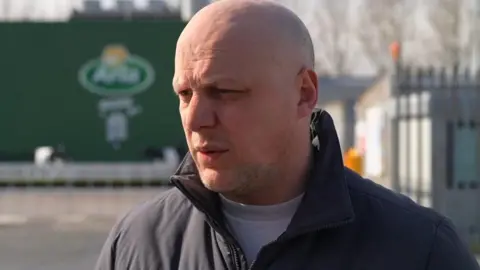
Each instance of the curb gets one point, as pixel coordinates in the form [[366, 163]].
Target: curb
[[12, 220], [41, 183]]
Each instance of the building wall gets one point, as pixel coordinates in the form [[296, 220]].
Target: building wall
[[373, 130]]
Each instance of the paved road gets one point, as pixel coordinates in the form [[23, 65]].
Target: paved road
[[49, 239], [37, 246]]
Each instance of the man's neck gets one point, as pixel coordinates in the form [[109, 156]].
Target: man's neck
[[287, 185], [261, 212], [267, 195]]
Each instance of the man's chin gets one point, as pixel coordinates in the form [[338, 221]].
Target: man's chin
[[218, 180]]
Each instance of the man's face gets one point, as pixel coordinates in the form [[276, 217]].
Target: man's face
[[237, 113]]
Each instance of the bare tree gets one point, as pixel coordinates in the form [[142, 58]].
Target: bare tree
[[451, 44], [331, 31], [381, 22]]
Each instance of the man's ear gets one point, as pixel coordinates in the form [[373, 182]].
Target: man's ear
[[308, 86]]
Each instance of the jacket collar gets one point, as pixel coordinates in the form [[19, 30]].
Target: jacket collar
[[326, 202]]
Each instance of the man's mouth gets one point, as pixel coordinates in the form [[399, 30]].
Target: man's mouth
[[211, 153]]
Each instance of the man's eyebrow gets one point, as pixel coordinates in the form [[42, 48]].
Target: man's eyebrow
[[220, 84]]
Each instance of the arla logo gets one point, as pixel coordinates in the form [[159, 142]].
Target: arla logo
[[117, 73]]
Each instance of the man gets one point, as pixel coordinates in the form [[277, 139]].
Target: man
[[264, 185]]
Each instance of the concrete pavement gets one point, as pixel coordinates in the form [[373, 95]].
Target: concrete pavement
[[41, 246], [60, 229]]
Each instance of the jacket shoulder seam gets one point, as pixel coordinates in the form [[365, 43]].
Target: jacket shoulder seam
[[432, 245]]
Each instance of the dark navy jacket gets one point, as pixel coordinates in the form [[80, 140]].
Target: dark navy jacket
[[344, 222]]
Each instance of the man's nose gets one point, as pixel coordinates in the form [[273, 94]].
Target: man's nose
[[200, 113]]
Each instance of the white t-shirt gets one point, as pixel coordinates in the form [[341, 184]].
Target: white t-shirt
[[255, 226]]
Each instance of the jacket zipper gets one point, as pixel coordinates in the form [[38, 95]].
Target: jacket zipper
[[236, 258], [230, 241], [231, 244], [296, 234]]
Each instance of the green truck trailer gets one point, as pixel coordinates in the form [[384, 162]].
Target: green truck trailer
[[102, 90]]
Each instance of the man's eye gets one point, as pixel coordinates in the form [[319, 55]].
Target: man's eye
[[185, 93], [227, 91]]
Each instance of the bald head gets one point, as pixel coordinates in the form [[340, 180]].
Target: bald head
[[276, 32], [245, 80]]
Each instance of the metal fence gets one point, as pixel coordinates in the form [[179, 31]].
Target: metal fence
[[84, 174], [435, 147]]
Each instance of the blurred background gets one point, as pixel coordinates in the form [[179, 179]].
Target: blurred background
[[89, 124]]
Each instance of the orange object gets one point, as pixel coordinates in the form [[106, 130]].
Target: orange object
[[354, 161], [395, 50]]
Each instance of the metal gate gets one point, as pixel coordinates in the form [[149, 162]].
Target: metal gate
[[435, 142]]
